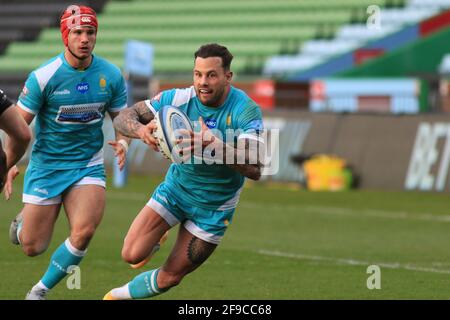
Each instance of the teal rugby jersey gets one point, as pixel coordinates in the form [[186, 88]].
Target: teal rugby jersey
[[70, 106], [214, 186]]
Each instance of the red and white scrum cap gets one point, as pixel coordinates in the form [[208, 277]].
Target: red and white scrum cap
[[77, 16]]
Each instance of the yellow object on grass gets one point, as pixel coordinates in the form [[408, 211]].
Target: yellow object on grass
[[327, 173]]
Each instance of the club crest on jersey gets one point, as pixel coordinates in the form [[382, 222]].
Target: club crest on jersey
[[83, 87], [102, 83], [211, 123]]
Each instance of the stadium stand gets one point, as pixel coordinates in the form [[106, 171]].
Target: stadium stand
[[253, 30], [320, 57], [22, 22]]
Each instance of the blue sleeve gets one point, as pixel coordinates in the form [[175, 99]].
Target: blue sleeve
[[249, 121], [31, 98], [163, 98], [119, 95]]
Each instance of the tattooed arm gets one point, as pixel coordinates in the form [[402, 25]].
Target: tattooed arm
[[136, 122], [120, 144], [130, 120], [246, 159]]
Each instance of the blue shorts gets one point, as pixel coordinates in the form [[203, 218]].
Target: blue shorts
[[46, 186], [208, 225]]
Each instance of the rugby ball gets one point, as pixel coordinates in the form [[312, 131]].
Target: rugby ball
[[169, 120]]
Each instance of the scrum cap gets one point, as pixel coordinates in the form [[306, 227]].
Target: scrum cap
[[75, 17]]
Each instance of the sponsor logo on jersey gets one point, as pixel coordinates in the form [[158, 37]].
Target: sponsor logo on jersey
[[162, 198], [24, 92], [157, 97], [62, 92], [83, 87], [256, 125], [81, 113], [43, 191], [211, 123]]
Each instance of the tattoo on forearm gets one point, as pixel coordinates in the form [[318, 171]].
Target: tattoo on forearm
[[199, 250], [131, 119], [248, 168]]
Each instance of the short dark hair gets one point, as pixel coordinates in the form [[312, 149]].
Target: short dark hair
[[215, 50]]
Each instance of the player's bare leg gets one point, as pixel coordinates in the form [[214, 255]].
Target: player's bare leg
[[33, 227], [147, 232], [187, 255], [84, 206]]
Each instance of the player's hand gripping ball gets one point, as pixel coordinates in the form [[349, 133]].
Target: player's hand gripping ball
[[169, 120]]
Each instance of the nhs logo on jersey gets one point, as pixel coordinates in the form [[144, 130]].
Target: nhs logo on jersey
[[83, 87], [88, 113], [211, 123]]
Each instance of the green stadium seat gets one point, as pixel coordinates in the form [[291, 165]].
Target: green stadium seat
[[253, 30]]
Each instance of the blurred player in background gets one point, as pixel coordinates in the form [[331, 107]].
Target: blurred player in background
[[19, 136], [201, 197], [69, 96]]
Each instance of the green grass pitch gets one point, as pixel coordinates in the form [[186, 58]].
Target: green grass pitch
[[283, 244]]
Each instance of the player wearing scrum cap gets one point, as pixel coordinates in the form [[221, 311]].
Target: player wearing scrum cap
[[69, 96], [19, 136]]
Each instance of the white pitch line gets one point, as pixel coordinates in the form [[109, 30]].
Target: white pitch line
[[380, 213], [349, 212], [352, 262], [384, 214]]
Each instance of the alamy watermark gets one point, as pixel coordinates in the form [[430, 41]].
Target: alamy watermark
[[74, 278], [374, 280], [374, 19]]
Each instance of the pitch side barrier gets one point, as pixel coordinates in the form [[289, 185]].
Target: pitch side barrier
[[393, 152]]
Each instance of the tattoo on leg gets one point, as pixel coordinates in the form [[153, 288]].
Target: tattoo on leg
[[199, 250]]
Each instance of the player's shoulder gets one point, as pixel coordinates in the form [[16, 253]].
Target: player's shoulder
[[182, 96], [176, 96], [52, 62], [49, 66], [107, 66], [45, 72], [242, 101]]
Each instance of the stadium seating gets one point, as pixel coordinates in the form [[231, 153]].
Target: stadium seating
[[22, 22], [253, 30], [352, 36]]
